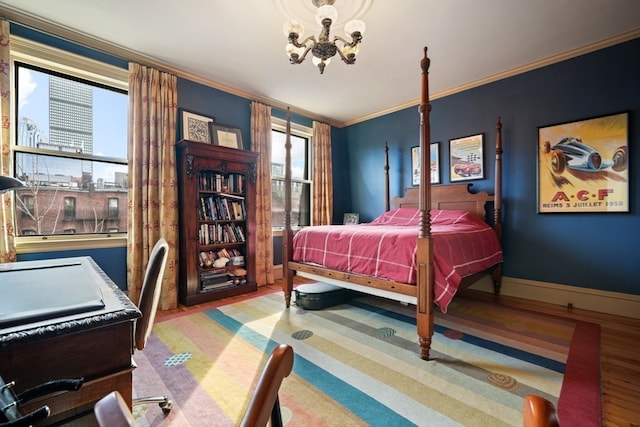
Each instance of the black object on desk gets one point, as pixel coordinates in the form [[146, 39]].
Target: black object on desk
[[46, 292]]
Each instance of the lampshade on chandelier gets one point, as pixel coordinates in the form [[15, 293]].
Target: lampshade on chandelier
[[323, 49]]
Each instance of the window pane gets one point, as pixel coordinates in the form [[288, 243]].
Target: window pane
[[71, 152], [67, 115], [44, 207], [299, 146], [300, 214]]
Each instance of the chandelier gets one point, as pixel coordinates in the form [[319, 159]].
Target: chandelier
[[323, 49]]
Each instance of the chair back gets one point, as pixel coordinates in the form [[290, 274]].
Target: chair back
[[539, 412], [150, 293], [264, 404], [112, 411]]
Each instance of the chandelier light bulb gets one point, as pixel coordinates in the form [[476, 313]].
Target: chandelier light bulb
[[326, 11], [348, 50], [291, 49], [353, 26], [293, 26]]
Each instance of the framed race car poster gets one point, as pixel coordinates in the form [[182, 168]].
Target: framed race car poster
[[583, 165], [466, 158]]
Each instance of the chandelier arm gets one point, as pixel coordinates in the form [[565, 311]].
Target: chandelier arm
[[297, 59], [293, 39]]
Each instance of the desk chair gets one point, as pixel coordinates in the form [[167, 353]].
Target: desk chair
[[11, 404], [148, 305], [539, 412], [112, 411]]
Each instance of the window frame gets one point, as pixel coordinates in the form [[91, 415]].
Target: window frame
[[280, 125], [61, 61]]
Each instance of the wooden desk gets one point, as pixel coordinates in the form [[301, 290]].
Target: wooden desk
[[96, 344]]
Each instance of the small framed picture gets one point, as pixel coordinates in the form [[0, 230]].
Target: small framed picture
[[351, 218], [195, 127], [466, 158], [225, 136], [435, 164]]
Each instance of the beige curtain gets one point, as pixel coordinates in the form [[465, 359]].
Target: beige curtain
[[261, 143], [322, 175], [7, 236], [153, 196]]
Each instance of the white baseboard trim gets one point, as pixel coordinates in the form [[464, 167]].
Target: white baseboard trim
[[616, 303]]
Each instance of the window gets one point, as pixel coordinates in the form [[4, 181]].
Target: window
[[70, 147], [113, 208], [28, 206], [69, 208], [300, 174]]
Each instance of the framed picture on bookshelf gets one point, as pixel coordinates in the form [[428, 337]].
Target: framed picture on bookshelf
[[225, 136], [195, 127]]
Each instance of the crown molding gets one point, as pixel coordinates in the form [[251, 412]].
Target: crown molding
[[612, 41], [104, 46]]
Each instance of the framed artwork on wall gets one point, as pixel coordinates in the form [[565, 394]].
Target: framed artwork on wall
[[226, 136], [195, 127], [435, 164], [351, 218], [466, 160], [583, 165]]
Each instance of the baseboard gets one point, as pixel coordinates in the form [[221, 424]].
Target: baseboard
[[617, 303]]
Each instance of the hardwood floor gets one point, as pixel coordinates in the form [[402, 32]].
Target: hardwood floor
[[619, 359]]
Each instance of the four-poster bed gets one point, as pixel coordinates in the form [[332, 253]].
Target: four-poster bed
[[451, 204]]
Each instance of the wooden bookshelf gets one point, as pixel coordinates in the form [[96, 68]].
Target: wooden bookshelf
[[217, 221]]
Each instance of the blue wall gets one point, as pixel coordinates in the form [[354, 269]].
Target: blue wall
[[591, 250], [597, 251]]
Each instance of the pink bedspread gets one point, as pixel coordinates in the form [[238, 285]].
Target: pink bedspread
[[386, 248]]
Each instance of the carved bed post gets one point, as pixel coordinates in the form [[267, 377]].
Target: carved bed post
[[287, 233], [387, 203], [497, 205], [425, 298]]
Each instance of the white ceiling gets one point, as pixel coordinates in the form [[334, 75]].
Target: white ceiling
[[238, 45]]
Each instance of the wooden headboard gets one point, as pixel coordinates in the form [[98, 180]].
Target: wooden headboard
[[447, 196]]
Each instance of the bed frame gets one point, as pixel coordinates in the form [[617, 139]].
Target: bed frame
[[424, 197]]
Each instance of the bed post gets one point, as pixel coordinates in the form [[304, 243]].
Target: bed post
[[287, 233], [387, 203], [424, 255], [497, 205]]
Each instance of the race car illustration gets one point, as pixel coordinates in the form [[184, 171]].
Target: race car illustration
[[572, 153], [467, 169]]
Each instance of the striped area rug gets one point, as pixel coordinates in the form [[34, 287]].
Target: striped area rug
[[357, 364]]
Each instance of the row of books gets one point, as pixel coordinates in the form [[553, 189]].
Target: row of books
[[235, 257], [211, 234], [214, 181], [222, 207]]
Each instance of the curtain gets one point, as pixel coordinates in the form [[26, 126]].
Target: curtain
[[322, 175], [261, 143], [7, 236], [153, 195]]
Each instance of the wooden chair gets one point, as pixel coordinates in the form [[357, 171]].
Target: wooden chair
[[112, 411], [264, 404], [539, 412], [148, 305]]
